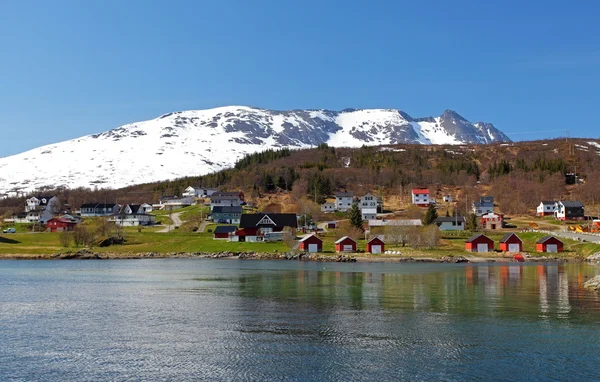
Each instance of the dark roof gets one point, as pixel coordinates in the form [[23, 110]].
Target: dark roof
[[89, 205], [450, 219], [225, 229], [487, 199], [476, 236], [280, 220], [134, 207], [220, 196], [508, 235], [483, 204], [221, 193], [571, 203], [227, 210], [47, 198], [344, 194], [98, 205], [545, 239], [548, 202]]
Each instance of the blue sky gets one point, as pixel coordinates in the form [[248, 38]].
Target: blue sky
[[72, 68]]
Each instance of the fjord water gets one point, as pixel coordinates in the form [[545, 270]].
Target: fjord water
[[273, 320]]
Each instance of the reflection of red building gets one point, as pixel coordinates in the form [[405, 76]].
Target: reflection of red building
[[60, 225], [511, 243], [549, 244]]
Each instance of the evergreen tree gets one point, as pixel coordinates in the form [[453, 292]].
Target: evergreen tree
[[356, 217], [472, 223], [430, 215]]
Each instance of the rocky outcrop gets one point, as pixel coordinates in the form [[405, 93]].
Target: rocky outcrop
[[593, 284]]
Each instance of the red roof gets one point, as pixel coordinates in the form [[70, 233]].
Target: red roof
[[420, 191]]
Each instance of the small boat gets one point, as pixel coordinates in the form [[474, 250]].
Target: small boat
[[518, 257]]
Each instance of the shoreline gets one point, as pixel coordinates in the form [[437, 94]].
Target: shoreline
[[85, 254]]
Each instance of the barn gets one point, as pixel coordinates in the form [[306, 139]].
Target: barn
[[311, 243], [510, 242], [345, 244], [222, 231], [549, 244], [60, 225], [479, 243], [375, 245]]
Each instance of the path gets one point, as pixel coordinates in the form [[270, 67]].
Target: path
[[176, 222], [203, 225]]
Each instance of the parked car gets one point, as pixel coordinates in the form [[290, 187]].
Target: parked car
[[10, 230]]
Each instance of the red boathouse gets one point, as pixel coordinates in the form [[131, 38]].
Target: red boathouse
[[311, 243], [549, 244], [375, 245], [479, 243], [511, 243], [345, 244]]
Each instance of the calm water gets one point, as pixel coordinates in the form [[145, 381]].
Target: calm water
[[258, 320]]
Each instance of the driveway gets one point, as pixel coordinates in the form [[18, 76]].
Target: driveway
[[176, 222]]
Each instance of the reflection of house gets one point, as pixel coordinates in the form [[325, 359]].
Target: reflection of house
[[60, 225], [253, 227], [510, 242], [479, 243], [546, 208], [368, 207], [226, 214], [451, 223], [99, 209], [222, 232], [311, 243], [549, 244], [343, 201], [420, 197], [375, 245], [569, 210], [345, 244], [492, 221]]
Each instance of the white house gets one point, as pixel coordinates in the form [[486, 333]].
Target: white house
[[368, 207], [397, 222], [328, 207], [546, 208], [99, 209], [198, 192], [145, 208], [226, 199], [343, 201], [173, 202], [447, 199], [484, 206], [421, 197], [451, 223], [132, 215]]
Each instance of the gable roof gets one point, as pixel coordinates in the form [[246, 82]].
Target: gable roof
[[309, 236], [420, 191], [571, 203], [227, 210], [376, 238], [508, 235], [98, 205], [220, 196], [279, 220], [547, 202], [344, 238], [486, 199], [450, 219], [546, 238], [477, 236], [483, 204], [225, 229], [344, 195]]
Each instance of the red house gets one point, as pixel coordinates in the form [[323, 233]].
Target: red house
[[511, 243], [492, 220], [223, 231], [375, 245], [345, 244], [311, 243], [420, 197], [479, 243], [549, 244], [60, 225]]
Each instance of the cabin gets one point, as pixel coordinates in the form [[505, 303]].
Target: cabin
[[421, 197], [311, 243], [222, 232], [375, 245], [254, 227], [510, 242], [343, 201], [451, 223], [345, 244], [331, 225], [569, 210], [549, 244], [226, 214], [479, 243], [492, 221], [546, 208], [60, 225], [368, 206]]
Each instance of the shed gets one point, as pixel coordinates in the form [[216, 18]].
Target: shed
[[332, 225], [345, 244], [60, 225], [479, 243], [223, 231], [375, 245], [510, 242], [311, 243], [549, 244]]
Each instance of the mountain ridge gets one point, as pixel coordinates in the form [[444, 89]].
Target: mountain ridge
[[197, 142]]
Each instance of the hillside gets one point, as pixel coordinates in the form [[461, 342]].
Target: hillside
[[200, 142]]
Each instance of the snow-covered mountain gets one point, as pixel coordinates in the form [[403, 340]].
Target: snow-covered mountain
[[197, 142]]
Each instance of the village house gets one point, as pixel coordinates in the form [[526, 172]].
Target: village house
[[328, 207], [226, 214], [253, 227], [484, 206], [311, 243], [198, 192], [549, 244], [451, 223], [569, 210], [421, 197], [492, 220], [133, 215], [375, 245], [222, 232], [510, 242], [345, 244], [229, 199], [368, 207], [99, 209], [447, 199], [479, 243], [60, 225], [173, 202], [42, 202], [546, 208], [343, 201]]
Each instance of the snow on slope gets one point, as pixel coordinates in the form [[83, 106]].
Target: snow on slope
[[197, 142]]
